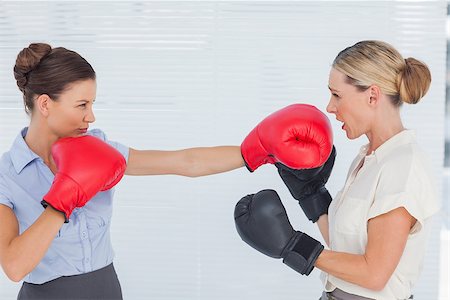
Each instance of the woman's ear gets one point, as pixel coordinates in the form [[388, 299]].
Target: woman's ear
[[42, 104], [374, 95]]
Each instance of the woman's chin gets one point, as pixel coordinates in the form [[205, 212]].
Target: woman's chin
[[350, 135]]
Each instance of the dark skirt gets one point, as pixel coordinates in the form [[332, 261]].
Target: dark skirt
[[99, 284], [338, 294]]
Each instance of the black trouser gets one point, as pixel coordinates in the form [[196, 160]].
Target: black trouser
[[338, 294], [99, 284]]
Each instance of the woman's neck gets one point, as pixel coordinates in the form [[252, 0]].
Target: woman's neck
[[40, 141], [385, 127]]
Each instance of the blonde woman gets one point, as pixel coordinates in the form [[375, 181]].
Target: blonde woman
[[376, 227]]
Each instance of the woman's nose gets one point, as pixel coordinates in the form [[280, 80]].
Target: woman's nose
[[90, 118], [330, 107]]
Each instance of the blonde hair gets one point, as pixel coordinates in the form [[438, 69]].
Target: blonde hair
[[376, 62]]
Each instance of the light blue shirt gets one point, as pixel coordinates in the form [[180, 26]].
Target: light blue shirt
[[82, 245]]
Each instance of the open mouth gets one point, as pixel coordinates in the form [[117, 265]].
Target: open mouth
[[343, 123]]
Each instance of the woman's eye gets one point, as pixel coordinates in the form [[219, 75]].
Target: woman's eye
[[82, 105], [335, 95]]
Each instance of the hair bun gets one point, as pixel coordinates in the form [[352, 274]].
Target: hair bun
[[27, 60], [414, 81]]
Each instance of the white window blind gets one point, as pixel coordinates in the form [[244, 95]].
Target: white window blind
[[196, 73]]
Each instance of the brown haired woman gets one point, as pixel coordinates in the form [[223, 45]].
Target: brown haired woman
[[71, 260], [74, 260]]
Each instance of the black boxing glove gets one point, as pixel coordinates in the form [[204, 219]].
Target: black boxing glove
[[262, 222], [308, 186]]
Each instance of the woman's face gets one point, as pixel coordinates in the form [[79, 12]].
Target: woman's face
[[72, 113], [349, 105]]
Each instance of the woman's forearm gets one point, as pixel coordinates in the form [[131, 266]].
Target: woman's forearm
[[351, 268], [191, 162], [212, 160], [387, 235], [26, 250]]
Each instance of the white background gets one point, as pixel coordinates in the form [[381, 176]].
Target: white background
[[193, 73]]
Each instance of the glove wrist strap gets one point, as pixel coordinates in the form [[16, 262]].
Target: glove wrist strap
[[302, 252]]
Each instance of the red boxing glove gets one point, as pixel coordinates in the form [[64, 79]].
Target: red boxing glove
[[86, 165], [299, 136]]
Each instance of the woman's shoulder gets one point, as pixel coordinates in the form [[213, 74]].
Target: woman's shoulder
[[407, 166], [97, 132], [404, 156], [6, 167], [5, 163]]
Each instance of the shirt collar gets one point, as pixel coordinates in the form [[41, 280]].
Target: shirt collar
[[406, 136], [21, 154]]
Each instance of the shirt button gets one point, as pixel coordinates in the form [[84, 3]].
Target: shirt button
[[83, 234], [87, 260]]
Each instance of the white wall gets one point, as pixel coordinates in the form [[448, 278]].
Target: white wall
[[183, 74]]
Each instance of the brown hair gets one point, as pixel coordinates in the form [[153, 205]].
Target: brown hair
[[376, 62], [41, 69]]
